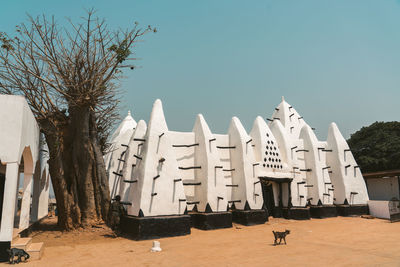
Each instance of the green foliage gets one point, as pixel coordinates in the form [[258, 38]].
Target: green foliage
[[5, 42], [122, 51], [377, 147]]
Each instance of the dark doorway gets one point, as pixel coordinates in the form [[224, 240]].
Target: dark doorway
[[2, 181], [268, 195]]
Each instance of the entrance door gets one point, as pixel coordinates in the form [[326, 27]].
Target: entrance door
[[268, 195]]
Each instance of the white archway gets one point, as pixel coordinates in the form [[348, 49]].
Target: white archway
[[24, 216]]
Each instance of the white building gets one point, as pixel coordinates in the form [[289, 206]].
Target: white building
[[280, 165], [115, 157], [20, 153], [384, 192], [383, 185]]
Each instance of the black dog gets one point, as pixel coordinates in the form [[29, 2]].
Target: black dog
[[280, 235], [16, 252]]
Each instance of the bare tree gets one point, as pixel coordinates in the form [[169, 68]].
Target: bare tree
[[69, 77]]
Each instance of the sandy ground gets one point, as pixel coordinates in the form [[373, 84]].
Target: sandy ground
[[337, 241]]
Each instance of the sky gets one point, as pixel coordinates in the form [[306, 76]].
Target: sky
[[333, 61]]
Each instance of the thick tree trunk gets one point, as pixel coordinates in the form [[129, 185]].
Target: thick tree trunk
[[67, 209], [100, 179], [77, 170], [82, 157]]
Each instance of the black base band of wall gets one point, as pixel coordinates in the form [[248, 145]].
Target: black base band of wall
[[296, 213], [210, 221], [4, 245], [395, 217], [249, 217], [277, 212], [142, 228], [349, 210], [324, 211]]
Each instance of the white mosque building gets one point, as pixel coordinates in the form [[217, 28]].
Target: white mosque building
[[279, 168], [170, 180]]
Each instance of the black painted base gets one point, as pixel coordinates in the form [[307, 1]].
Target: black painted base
[[249, 217], [142, 228], [395, 217], [210, 221], [277, 212], [4, 245], [296, 213], [349, 210], [323, 211]]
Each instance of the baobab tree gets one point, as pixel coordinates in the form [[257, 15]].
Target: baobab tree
[[69, 76]]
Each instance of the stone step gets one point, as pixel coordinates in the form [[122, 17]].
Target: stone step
[[21, 243], [35, 251]]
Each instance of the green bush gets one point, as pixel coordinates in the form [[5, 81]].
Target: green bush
[[377, 147]]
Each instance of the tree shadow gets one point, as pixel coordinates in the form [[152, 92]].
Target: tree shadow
[[110, 236], [46, 225]]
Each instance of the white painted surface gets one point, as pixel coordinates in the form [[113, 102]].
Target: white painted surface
[[127, 124], [383, 188], [185, 156], [289, 117], [116, 161], [212, 190], [19, 138], [44, 185], [156, 247], [292, 123], [222, 140], [293, 161], [162, 195], [318, 174], [26, 201], [242, 163], [41, 185], [284, 148], [346, 176], [379, 208], [18, 130], [267, 152], [130, 161], [10, 196]]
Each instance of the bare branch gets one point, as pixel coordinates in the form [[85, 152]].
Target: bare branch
[[59, 68]]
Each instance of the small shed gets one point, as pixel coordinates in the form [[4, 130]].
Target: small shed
[[383, 185], [384, 193]]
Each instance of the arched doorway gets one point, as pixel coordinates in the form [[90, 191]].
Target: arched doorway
[[22, 211]]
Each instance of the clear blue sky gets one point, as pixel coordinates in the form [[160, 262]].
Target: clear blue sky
[[332, 60]]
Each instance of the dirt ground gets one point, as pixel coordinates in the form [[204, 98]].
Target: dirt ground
[[341, 241]]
